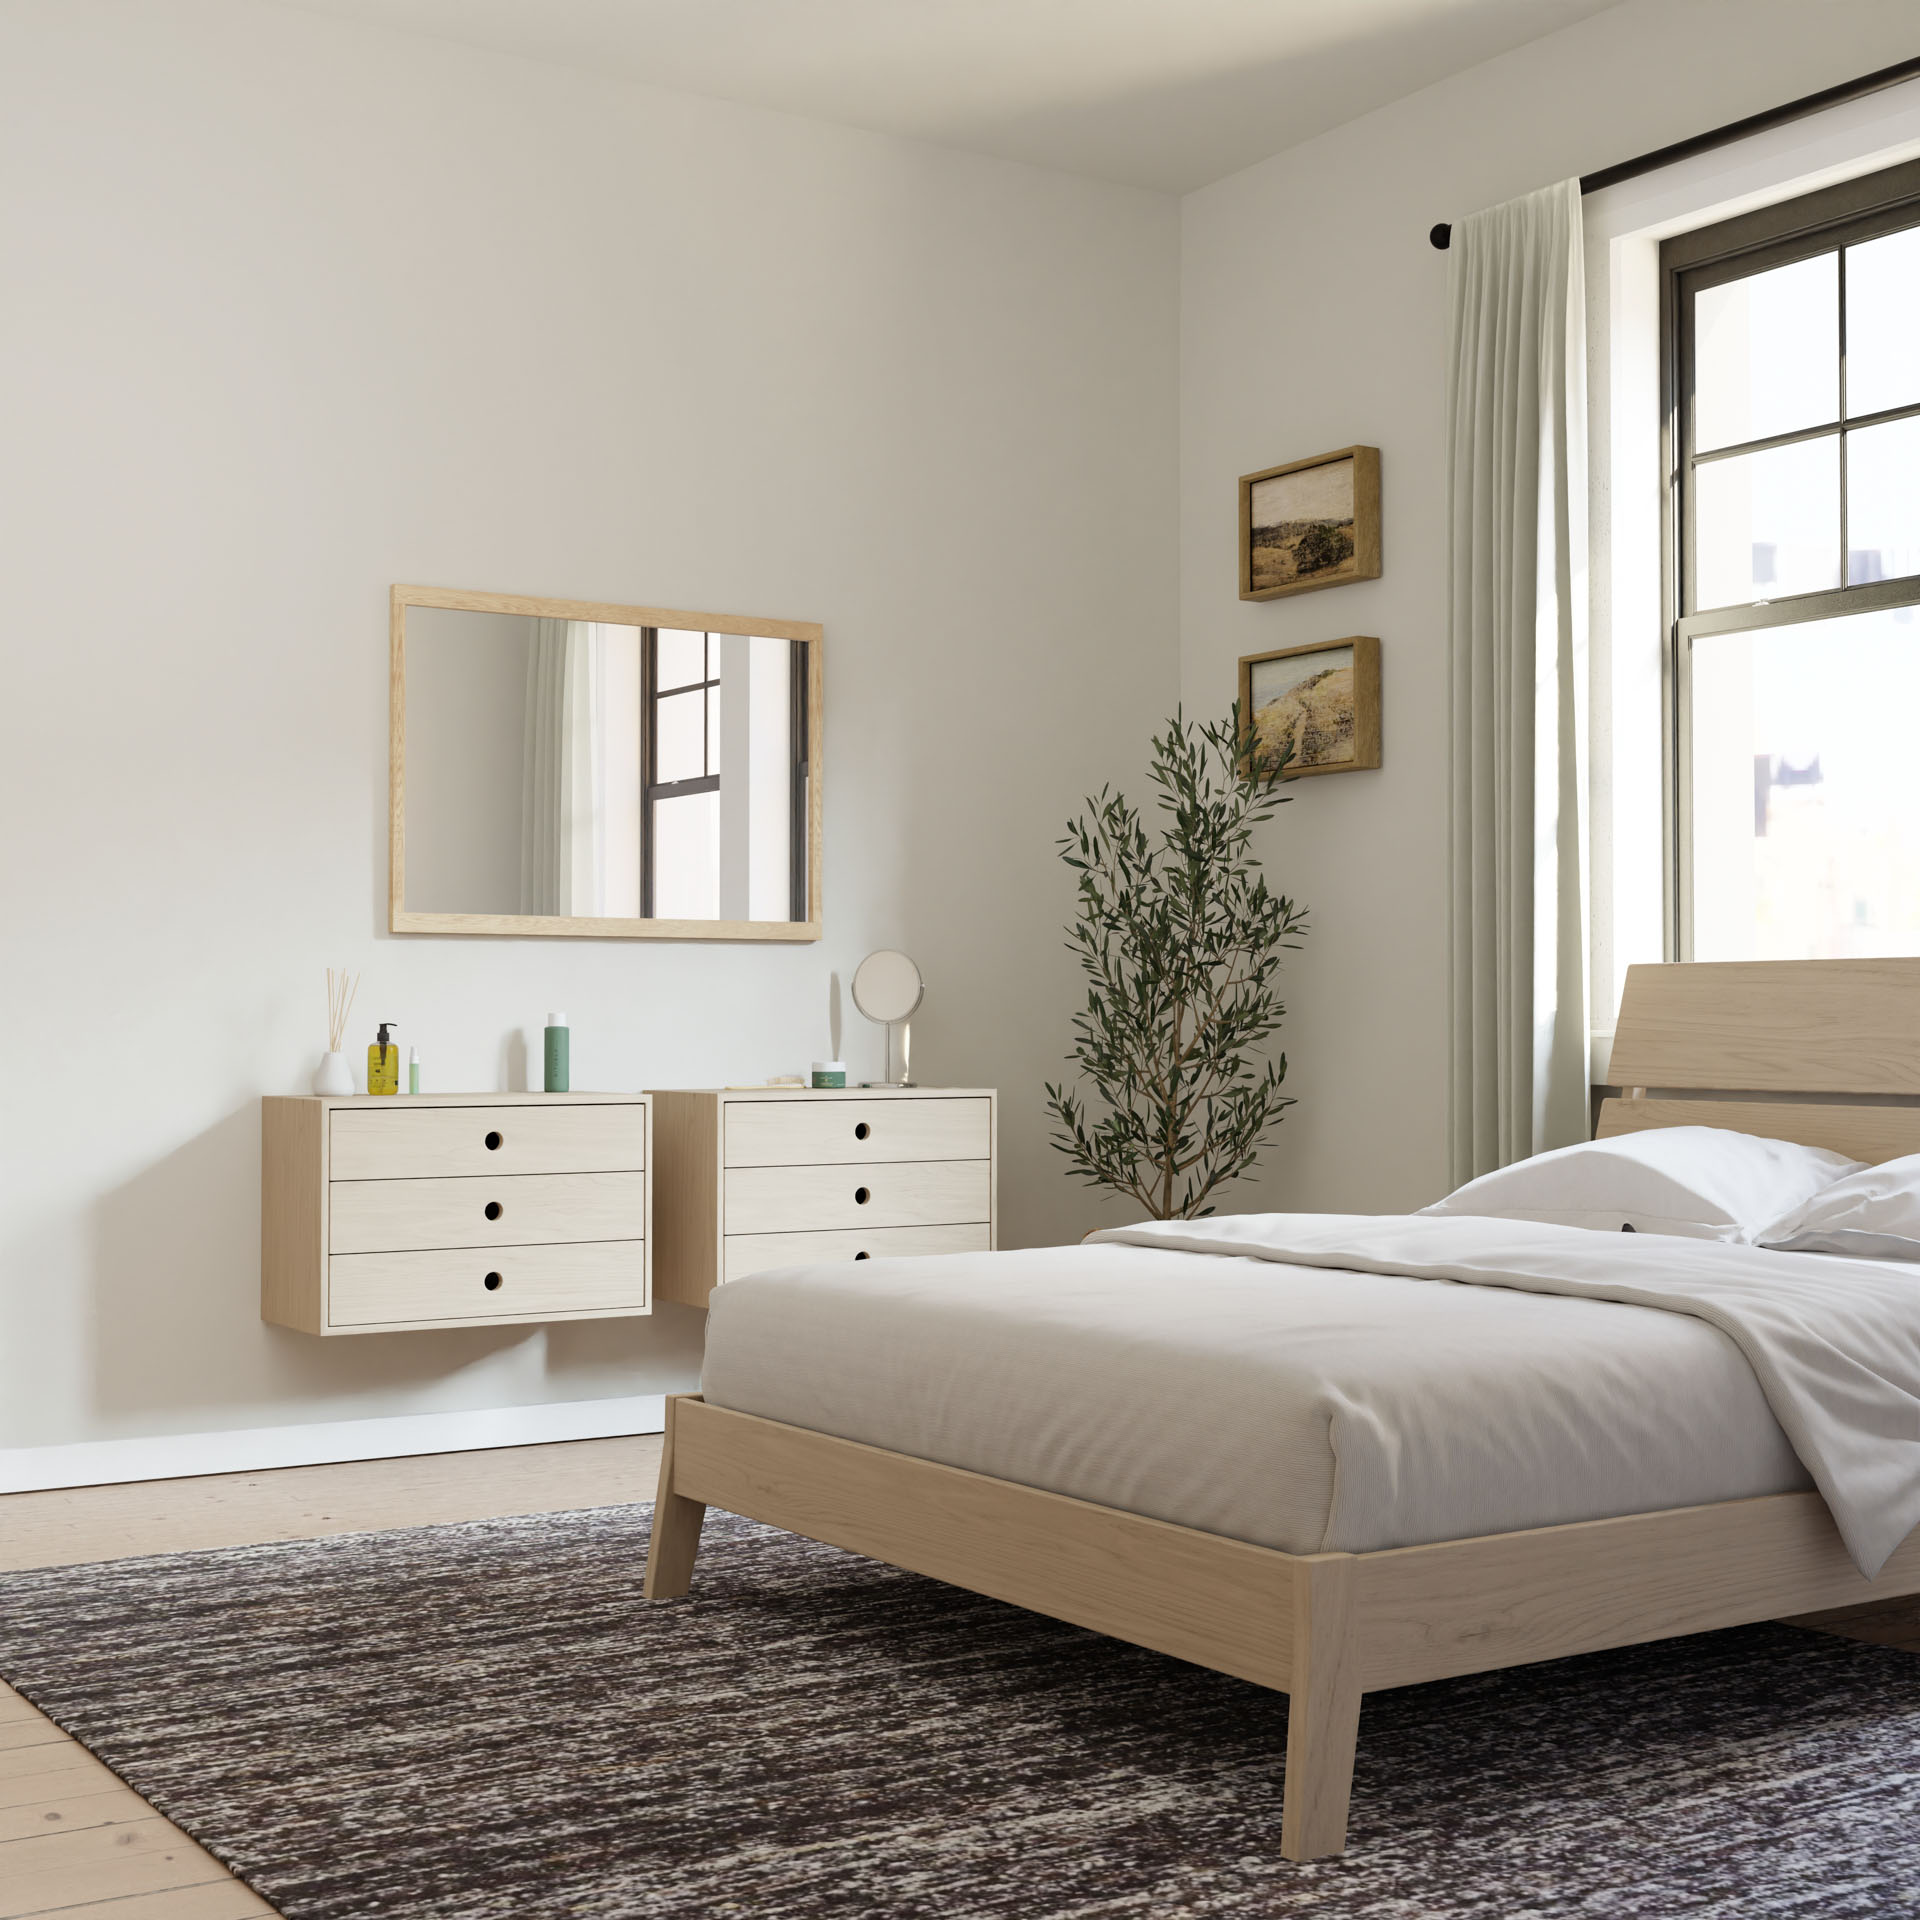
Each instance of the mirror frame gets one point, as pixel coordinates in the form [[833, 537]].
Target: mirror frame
[[568, 927]]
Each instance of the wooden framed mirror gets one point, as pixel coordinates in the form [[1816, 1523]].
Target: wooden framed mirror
[[575, 769]]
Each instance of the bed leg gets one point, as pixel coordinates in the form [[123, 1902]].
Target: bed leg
[[1323, 1711], [676, 1526]]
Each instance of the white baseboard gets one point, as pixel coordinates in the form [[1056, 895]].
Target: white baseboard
[[179, 1456]]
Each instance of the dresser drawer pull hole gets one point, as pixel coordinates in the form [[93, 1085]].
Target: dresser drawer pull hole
[[493, 1143], [493, 1209], [861, 1196], [863, 1256], [861, 1131], [492, 1283]]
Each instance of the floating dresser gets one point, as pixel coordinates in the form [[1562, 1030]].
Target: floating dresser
[[772, 1178], [454, 1210]]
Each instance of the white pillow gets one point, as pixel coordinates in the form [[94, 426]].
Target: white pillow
[[1873, 1214], [1703, 1183]]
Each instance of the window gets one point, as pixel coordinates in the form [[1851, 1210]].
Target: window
[[1793, 491]]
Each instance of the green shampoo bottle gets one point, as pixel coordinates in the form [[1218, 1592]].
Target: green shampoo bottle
[[557, 1063]]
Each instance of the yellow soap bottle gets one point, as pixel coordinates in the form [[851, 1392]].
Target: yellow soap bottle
[[383, 1062]]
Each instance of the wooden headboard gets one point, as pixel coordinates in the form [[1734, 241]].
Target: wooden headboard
[[1826, 1052]]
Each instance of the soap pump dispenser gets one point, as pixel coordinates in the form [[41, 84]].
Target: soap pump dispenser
[[383, 1062]]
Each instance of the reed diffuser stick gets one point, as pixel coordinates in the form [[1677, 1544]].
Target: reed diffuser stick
[[341, 989]]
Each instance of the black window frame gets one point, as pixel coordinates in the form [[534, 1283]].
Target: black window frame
[[1832, 218]]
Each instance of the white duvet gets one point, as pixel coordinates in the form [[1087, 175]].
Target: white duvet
[[1834, 1343], [1313, 1382]]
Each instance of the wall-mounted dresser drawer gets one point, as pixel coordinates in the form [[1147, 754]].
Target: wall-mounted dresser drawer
[[390, 1214], [755, 1252], [907, 1193], [794, 1133], [457, 1287], [418, 1143], [762, 1178]]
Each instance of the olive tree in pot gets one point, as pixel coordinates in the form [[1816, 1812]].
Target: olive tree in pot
[[1181, 941]]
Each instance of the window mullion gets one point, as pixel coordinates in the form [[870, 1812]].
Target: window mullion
[[1885, 417], [1846, 534], [1826, 430], [1799, 609]]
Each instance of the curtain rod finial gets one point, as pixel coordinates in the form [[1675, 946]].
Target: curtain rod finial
[[1442, 236]]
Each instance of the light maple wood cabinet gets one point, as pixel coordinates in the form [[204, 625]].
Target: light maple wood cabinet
[[454, 1210], [774, 1177]]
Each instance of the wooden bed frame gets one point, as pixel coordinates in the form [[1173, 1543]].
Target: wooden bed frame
[[1749, 1045]]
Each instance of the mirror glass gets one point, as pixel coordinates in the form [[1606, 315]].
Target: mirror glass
[[887, 986], [563, 769]]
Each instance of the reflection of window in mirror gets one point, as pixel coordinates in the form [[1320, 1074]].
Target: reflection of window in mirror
[[726, 791], [651, 772]]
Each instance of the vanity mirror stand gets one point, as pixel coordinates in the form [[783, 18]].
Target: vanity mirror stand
[[888, 989]]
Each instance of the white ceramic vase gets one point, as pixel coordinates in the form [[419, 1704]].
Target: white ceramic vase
[[334, 1076]]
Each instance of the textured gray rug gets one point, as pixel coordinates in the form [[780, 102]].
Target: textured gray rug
[[487, 1722]]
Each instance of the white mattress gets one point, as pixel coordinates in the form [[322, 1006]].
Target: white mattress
[[1297, 1407]]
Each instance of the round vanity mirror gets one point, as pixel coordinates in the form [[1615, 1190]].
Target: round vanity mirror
[[887, 987]]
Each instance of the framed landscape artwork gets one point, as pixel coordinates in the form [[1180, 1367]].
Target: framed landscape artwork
[[1313, 523], [1322, 702]]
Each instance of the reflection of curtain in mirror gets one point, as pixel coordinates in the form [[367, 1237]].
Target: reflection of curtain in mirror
[[562, 799]]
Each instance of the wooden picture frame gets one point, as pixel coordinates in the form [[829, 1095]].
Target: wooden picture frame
[[1351, 742], [809, 822], [1325, 503]]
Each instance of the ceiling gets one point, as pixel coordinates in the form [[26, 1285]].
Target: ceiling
[[1157, 93]]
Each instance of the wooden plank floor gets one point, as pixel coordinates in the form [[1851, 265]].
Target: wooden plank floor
[[77, 1844]]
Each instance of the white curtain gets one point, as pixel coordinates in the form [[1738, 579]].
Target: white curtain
[[1517, 636], [562, 794]]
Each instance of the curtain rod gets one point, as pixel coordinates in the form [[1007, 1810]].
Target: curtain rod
[[1442, 235]]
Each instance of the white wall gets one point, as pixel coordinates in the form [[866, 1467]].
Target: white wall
[[296, 310], [1314, 316]]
